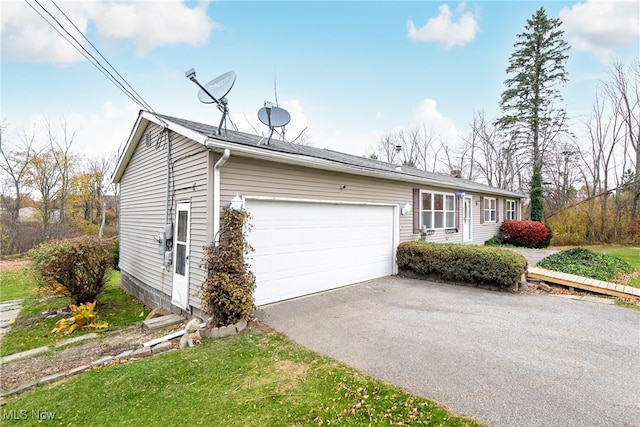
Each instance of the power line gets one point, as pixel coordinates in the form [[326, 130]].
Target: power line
[[132, 93], [105, 59]]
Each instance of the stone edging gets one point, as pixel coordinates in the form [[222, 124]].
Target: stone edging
[[132, 355]]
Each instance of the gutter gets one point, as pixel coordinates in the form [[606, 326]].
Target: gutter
[[298, 160], [216, 193]]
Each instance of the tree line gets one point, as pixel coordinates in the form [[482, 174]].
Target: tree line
[[50, 192], [586, 187]]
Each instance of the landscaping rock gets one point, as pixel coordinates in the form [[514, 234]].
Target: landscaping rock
[[162, 347], [53, 377], [544, 287], [141, 352], [78, 370], [162, 322], [102, 361], [123, 355], [211, 333], [242, 323], [24, 354], [20, 389], [156, 312]]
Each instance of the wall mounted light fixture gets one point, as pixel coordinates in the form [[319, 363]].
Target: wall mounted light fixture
[[236, 203], [405, 209]]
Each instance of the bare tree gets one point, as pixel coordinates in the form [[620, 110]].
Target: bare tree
[[623, 89], [16, 162], [495, 156], [61, 143]]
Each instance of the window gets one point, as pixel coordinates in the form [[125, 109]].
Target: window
[[437, 210], [489, 209], [510, 210]]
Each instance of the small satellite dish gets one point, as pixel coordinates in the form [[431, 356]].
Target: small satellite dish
[[218, 88], [274, 117]]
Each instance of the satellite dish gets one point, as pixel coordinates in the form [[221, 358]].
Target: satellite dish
[[214, 92], [274, 116], [218, 88]]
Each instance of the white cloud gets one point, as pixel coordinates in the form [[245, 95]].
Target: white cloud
[[26, 37], [427, 113], [602, 26], [147, 25], [445, 29], [153, 24], [104, 132]]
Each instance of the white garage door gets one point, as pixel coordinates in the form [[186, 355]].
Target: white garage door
[[302, 248]]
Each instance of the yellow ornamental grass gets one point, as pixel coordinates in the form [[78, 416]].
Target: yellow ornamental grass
[[83, 317]]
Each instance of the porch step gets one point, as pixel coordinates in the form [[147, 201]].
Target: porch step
[[585, 283], [162, 322]]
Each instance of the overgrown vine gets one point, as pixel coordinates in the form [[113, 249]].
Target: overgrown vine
[[227, 292]]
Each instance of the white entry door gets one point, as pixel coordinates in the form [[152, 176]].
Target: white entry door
[[180, 291], [307, 247], [467, 218]]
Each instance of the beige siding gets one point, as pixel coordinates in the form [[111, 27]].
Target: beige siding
[[143, 195], [143, 192], [251, 177]]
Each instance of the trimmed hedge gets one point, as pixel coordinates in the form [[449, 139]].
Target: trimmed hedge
[[465, 263]]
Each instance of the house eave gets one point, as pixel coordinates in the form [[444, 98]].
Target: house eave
[[219, 145]]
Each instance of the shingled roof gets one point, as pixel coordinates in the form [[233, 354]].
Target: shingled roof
[[357, 162]]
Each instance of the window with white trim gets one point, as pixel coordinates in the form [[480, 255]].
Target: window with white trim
[[437, 210], [510, 210], [489, 209]]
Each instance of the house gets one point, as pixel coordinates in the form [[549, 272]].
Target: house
[[320, 219]]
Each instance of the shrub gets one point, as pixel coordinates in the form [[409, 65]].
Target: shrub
[[495, 241], [465, 263], [544, 243], [79, 265], [227, 292], [529, 234], [116, 254], [586, 263]]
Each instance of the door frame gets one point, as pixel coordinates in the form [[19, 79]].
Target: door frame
[[467, 219], [180, 282]]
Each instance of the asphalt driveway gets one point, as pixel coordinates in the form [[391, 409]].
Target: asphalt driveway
[[505, 359]]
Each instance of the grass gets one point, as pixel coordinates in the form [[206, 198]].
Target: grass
[[15, 285], [32, 330], [261, 379], [627, 253]]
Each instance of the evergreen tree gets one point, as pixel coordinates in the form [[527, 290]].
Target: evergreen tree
[[530, 104]]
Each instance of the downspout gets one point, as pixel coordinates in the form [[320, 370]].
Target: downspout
[[166, 203], [216, 194]]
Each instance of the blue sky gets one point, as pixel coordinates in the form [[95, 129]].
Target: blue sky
[[348, 71]]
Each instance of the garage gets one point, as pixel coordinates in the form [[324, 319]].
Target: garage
[[306, 247]]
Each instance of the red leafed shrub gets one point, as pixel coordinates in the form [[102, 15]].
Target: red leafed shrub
[[524, 233]]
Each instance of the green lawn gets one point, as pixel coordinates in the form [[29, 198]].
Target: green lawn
[[628, 253], [261, 379], [31, 330], [15, 285]]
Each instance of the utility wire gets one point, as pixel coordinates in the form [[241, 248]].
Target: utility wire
[[146, 104], [92, 59]]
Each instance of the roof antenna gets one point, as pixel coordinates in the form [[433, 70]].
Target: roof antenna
[[273, 117], [215, 92]]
